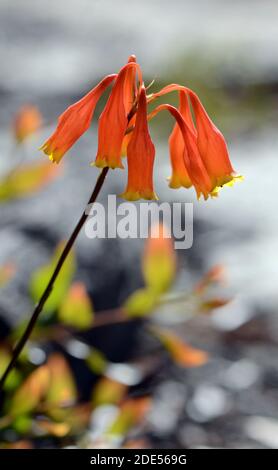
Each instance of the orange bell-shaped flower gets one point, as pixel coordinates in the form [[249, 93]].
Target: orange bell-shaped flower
[[192, 160], [113, 121], [74, 122], [177, 148], [212, 147], [140, 157]]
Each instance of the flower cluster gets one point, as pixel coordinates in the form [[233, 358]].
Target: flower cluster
[[198, 151]]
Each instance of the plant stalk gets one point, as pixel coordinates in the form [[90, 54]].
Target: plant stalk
[[48, 289]]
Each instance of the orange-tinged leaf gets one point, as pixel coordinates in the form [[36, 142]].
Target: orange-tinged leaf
[[27, 179], [62, 389], [76, 309], [136, 444], [79, 416], [212, 304], [76, 417], [159, 260], [31, 392], [7, 271], [22, 444], [131, 414], [215, 275], [182, 354], [54, 429], [108, 391], [27, 121]]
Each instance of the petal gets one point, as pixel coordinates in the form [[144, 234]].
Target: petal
[[180, 177], [74, 122], [211, 143], [114, 120], [192, 159], [212, 146], [140, 157], [130, 88]]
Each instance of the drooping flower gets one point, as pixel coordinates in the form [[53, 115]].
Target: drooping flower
[[210, 158], [140, 156], [27, 121], [192, 159], [177, 148], [114, 119], [212, 147], [74, 122]]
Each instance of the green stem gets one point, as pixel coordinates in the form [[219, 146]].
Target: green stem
[[48, 289]]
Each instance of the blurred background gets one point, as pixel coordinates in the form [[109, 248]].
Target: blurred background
[[51, 54]]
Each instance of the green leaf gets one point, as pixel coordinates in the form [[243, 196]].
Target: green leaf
[[22, 424], [182, 353], [62, 389], [140, 303], [31, 392], [53, 429], [108, 391], [159, 262], [131, 413], [27, 179], [97, 361], [41, 278], [76, 309]]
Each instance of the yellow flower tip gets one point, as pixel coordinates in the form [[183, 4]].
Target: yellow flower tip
[[130, 195], [54, 156], [113, 164], [149, 196], [174, 182], [228, 180], [200, 195], [137, 195], [215, 193]]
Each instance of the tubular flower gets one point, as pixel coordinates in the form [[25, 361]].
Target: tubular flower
[[177, 148], [140, 157], [212, 147], [193, 163], [209, 145], [130, 102], [198, 151], [130, 88], [74, 122], [113, 121]]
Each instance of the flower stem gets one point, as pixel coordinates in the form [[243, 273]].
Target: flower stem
[[39, 307]]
